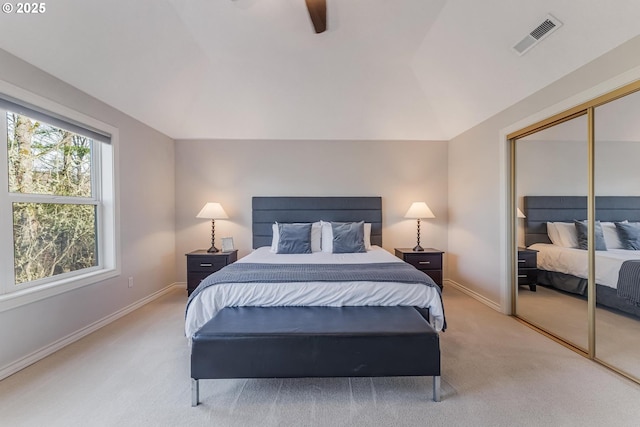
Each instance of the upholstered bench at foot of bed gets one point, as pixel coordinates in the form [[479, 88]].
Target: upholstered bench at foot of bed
[[290, 342]]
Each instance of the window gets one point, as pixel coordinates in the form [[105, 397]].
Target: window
[[57, 214]]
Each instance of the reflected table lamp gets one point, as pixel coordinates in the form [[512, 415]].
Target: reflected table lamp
[[212, 211], [419, 210]]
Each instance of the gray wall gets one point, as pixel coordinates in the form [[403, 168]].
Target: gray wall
[[232, 171], [565, 174], [146, 173]]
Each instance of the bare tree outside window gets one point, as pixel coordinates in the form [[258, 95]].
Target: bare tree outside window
[[54, 228]]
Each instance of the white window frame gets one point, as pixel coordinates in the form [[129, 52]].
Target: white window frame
[[105, 188]]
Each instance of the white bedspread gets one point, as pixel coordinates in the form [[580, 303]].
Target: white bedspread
[[212, 299], [574, 261]]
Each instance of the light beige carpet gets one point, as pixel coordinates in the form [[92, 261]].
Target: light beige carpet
[[496, 372]]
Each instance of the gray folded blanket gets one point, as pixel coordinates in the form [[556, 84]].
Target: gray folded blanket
[[629, 282]]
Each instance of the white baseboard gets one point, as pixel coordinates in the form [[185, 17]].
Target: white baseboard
[[486, 301], [37, 355]]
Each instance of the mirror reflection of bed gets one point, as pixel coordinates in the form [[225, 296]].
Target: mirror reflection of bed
[[559, 304]]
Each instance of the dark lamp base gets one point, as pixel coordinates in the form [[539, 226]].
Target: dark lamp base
[[213, 249], [418, 248]]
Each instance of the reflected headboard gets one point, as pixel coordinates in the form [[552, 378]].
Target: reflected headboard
[[541, 209], [267, 210]]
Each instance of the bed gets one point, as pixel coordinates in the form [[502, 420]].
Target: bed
[[566, 268], [315, 314]]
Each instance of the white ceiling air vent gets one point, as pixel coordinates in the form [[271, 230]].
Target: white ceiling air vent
[[548, 26]]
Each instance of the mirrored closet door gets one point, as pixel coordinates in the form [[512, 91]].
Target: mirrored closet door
[[551, 188], [617, 204], [575, 187]]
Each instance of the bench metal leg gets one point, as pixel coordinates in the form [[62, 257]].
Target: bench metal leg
[[436, 388], [195, 392]]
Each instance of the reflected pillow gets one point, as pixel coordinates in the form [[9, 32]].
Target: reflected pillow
[[581, 229], [629, 233], [611, 236], [552, 232], [294, 238], [348, 237], [567, 234]]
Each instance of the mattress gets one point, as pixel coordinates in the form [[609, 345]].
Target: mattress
[[575, 262], [207, 303]]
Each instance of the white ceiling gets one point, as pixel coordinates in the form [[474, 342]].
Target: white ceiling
[[254, 69]]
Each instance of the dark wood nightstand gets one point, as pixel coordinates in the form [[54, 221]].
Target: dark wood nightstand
[[201, 263], [429, 261], [528, 268]]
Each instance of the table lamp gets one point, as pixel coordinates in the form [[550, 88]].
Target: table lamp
[[419, 210], [212, 211]]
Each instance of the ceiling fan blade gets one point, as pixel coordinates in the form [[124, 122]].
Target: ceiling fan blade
[[318, 14]]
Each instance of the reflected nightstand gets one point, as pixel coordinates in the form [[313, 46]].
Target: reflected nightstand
[[528, 268]]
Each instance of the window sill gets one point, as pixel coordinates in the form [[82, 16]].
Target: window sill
[[30, 295]]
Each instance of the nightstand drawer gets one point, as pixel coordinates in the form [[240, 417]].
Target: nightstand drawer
[[527, 276], [527, 259], [205, 263], [425, 261], [528, 268]]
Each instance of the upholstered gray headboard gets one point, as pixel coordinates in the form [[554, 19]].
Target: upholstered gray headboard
[[542, 209], [267, 210]]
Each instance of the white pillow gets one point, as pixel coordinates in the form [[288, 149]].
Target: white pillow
[[315, 237], [367, 235], [327, 236], [552, 232], [611, 237], [567, 233]]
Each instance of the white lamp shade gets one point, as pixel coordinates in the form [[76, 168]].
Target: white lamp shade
[[520, 214], [419, 210], [212, 211]]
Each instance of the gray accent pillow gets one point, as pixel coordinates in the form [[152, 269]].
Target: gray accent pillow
[[348, 237], [629, 234], [581, 230], [294, 238]]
